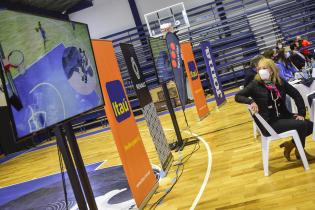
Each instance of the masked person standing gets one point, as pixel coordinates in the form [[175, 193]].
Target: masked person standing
[[266, 95]]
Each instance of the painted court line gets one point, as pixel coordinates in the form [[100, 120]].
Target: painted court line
[[205, 180], [208, 172], [55, 173], [98, 167]]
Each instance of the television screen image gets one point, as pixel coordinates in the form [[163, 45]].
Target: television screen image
[[49, 70]]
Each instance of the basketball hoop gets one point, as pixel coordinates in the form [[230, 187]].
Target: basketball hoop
[[16, 59], [169, 19]]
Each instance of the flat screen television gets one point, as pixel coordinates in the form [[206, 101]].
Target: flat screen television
[[49, 71]]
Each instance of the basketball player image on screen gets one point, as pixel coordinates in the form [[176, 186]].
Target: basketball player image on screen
[[78, 70], [42, 33], [51, 75]]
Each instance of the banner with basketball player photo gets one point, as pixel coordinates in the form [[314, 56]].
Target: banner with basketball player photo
[[134, 158], [161, 60], [212, 72], [174, 51], [147, 105], [194, 80]]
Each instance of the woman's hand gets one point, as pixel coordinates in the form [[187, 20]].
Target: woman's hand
[[298, 117], [254, 107]]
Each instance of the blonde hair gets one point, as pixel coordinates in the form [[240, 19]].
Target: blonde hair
[[275, 78]]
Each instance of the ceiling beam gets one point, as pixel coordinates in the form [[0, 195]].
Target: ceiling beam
[[83, 4], [33, 10]]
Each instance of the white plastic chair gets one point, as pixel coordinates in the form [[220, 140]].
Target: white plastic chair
[[312, 117], [304, 91], [254, 129], [310, 107], [265, 141]]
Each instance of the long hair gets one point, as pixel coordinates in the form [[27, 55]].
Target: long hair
[[275, 78], [255, 60], [268, 53], [282, 58]]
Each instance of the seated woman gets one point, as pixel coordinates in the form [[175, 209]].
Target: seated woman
[[268, 92], [296, 58], [286, 69]]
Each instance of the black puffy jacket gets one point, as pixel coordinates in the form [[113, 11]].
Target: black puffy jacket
[[262, 97]]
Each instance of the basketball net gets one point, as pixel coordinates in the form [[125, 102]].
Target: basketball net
[[166, 27]]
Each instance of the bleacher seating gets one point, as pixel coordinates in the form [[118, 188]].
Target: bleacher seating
[[233, 40]]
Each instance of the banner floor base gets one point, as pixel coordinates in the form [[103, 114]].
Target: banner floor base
[[186, 142], [148, 197], [166, 167]]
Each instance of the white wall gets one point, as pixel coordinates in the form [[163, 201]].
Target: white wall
[[111, 16], [105, 17]]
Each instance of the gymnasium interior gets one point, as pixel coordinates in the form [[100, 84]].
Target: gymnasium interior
[[136, 104]]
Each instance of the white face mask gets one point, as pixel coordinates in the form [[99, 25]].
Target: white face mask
[[264, 74]]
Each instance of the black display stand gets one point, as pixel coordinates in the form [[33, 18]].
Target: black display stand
[[180, 143], [75, 167], [8, 142]]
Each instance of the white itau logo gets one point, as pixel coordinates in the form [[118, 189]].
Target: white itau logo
[[135, 68], [213, 74]]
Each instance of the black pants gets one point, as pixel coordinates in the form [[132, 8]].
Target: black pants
[[304, 128]]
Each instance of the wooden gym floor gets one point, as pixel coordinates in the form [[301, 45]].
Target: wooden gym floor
[[227, 175]]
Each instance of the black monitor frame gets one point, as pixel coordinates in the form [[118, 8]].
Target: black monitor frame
[[8, 98]]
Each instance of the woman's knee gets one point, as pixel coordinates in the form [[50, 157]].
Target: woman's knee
[[308, 127], [300, 124]]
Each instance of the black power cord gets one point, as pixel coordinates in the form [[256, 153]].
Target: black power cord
[[179, 172], [187, 157], [63, 178], [180, 166], [178, 175]]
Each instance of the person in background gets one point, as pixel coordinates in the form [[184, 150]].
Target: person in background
[[251, 73], [266, 95], [279, 45], [286, 69], [270, 53], [303, 43], [297, 58]]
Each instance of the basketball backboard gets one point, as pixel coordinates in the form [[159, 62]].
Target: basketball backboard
[[174, 16]]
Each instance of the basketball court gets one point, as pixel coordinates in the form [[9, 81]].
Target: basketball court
[[227, 176], [146, 117]]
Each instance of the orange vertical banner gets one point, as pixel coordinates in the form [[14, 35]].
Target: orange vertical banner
[[194, 80], [127, 137]]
